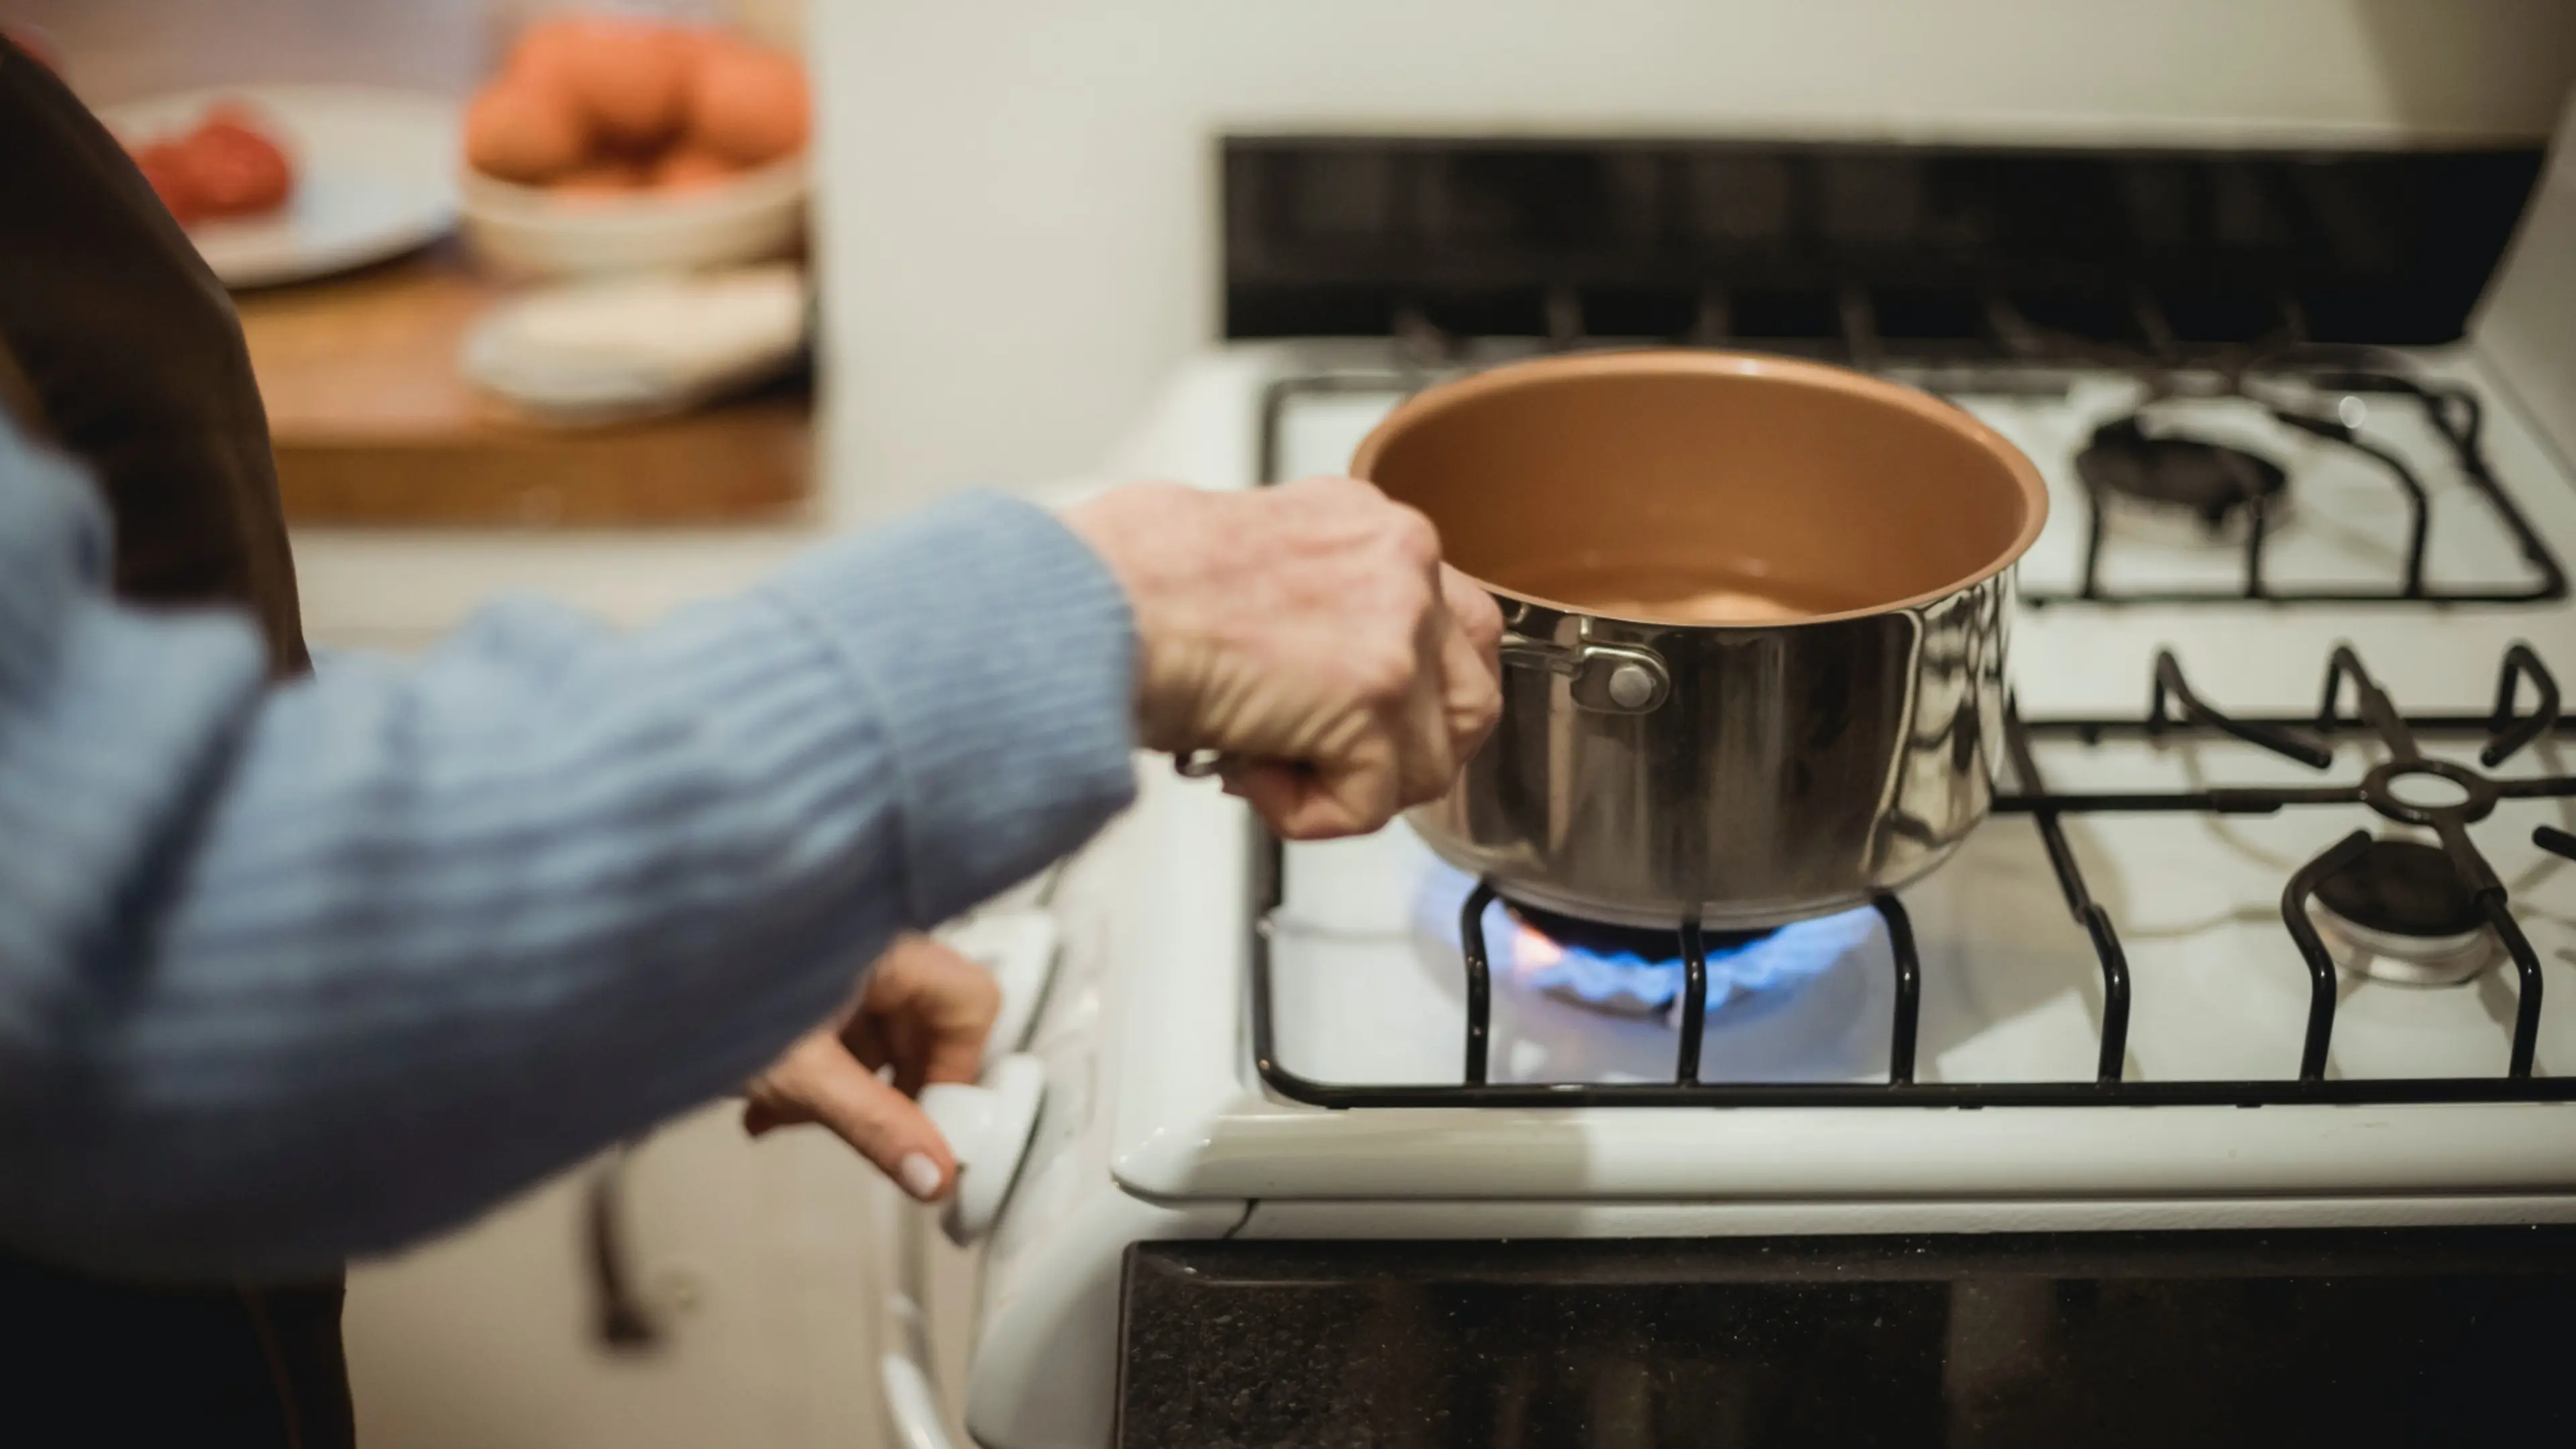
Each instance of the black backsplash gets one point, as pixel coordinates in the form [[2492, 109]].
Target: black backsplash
[[1921, 248]]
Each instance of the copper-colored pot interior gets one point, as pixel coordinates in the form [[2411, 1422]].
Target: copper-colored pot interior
[[1698, 488]]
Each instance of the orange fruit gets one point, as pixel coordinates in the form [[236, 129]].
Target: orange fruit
[[747, 103], [520, 130], [629, 76], [687, 167]]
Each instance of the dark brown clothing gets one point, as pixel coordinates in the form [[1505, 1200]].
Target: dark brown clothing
[[136, 363], [117, 345]]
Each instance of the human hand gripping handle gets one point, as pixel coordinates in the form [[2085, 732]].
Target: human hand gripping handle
[[1310, 636]]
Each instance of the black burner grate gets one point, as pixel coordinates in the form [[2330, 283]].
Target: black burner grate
[[2454, 412], [2471, 796]]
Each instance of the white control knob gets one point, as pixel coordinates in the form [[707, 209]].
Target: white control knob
[[988, 1127], [1019, 948]]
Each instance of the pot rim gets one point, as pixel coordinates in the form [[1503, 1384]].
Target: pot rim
[[1669, 361]]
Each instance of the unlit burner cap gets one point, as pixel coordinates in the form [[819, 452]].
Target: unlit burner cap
[[2400, 913], [2209, 481]]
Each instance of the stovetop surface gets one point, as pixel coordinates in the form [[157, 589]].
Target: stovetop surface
[[1367, 981], [2011, 988]]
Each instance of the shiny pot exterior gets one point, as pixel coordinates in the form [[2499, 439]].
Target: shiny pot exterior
[[1784, 772], [1757, 611]]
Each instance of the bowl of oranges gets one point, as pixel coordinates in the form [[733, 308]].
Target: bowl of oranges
[[618, 144]]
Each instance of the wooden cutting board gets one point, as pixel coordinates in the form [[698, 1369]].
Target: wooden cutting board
[[373, 423]]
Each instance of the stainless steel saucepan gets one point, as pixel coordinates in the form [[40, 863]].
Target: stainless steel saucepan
[[1757, 613]]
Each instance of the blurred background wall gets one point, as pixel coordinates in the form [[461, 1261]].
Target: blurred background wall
[[120, 49], [1018, 237], [1019, 227]]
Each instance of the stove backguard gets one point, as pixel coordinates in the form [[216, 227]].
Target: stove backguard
[[1861, 252]]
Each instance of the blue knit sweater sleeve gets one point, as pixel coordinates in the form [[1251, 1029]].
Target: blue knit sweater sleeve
[[297, 972]]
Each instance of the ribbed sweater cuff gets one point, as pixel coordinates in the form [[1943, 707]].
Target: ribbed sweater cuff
[[1007, 689]]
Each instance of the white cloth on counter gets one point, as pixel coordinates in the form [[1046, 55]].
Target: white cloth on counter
[[599, 351]]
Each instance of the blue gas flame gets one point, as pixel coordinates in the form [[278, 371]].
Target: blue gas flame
[[1794, 954], [1631, 983]]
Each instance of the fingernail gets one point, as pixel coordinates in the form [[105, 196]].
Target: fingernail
[[920, 1175]]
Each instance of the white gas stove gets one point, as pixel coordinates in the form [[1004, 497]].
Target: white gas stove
[[2184, 982]]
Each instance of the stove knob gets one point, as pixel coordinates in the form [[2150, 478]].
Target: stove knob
[[988, 1127], [1020, 949]]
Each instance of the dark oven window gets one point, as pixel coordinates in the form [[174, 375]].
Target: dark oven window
[[2424, 1337]]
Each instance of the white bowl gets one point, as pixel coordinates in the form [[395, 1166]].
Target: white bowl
[[535, 232]]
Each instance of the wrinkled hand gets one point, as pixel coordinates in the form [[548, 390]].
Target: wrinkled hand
[[1312, 634], [925, 1012]]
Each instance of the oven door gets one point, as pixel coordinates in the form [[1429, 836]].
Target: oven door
[[2407, 1337]]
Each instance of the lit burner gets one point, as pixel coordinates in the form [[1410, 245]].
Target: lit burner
[[1628, 972], [1577, 1001], [2400, 914]]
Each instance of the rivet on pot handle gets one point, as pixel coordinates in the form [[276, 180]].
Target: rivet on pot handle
[[1607, 678]]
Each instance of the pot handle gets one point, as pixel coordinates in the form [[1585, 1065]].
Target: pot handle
[[1605, 678]]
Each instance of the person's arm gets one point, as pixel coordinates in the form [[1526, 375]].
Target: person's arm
[[289, 974]]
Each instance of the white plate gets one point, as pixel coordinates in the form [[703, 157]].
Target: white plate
[[613, 349], [375, 176]]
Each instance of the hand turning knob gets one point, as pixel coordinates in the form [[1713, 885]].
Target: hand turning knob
[[988, 1127]]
